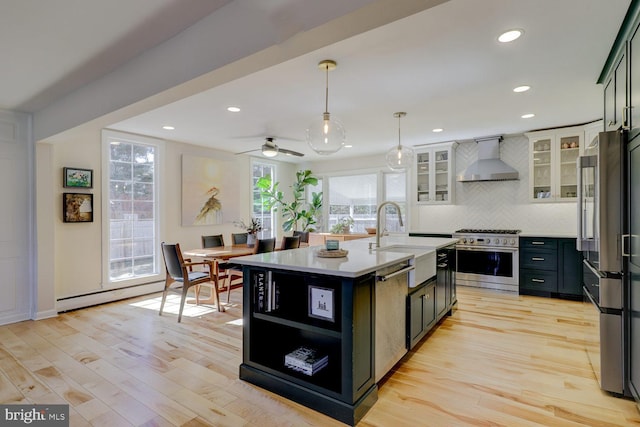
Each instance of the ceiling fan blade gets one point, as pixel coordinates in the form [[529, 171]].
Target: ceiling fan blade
[[290, 152], [248, 151]]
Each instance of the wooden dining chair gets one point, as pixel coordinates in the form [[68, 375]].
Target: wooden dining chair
[[235, 272], [220, 268], [179, 271], [290, 242], [213, 241], [304, 236], [239, 238]]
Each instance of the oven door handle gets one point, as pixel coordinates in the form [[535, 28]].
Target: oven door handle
[[486, 249]]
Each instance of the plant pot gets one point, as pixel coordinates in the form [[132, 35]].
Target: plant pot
[[251, 240]]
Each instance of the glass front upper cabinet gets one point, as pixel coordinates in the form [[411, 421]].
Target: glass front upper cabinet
[[434, 174], [552, 164]]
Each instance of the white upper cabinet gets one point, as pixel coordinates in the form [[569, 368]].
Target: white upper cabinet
[[434, 171], [552, 164]]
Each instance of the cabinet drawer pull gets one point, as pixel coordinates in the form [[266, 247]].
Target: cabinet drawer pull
[[538, 280], [537, 243], [537, 258]]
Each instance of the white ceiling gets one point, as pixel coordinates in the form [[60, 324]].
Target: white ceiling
[[443, 66]]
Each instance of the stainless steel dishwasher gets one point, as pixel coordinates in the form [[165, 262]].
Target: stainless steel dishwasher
[[392, 287]]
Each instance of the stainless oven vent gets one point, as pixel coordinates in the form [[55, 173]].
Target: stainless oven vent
[[488, 167]]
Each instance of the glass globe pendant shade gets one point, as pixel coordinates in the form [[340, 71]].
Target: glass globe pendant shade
[[326, 136], [400, 157]]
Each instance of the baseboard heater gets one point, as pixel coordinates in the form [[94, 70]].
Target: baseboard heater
[[109, 295]]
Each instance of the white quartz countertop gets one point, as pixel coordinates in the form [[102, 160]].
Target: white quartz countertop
[[358, 262]]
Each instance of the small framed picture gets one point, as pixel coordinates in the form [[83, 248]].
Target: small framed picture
[[77, 207], [78, 178], [321, 303]]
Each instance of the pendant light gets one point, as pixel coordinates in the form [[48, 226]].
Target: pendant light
[[400, 157], [326, 136]]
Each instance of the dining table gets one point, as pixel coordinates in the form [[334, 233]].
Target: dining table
[[218, 254]]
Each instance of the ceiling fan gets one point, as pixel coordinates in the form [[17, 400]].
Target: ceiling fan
[[270, 149]]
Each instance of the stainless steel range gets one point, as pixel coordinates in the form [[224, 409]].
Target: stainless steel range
[[487, 258]]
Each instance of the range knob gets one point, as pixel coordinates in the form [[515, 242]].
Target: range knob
[[471, 240], [464, 240], [513, 242], [504, 241], [488, 241]]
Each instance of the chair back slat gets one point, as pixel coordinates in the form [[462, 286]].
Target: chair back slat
[[290, 242], [212, 241], [239, 238], [304, 236], [265, 245], [172, 260]]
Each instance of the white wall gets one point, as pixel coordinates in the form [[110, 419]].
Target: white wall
[[70, 254], [496, 204]]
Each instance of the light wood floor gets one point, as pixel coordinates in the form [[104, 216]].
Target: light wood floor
[[500, 360]]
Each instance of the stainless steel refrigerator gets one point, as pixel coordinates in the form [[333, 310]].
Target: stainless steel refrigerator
[[601, 224], [632, 248]]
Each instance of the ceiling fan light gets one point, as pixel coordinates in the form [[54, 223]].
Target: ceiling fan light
[[269, 151]]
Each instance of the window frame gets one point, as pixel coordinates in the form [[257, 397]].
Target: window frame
[[274, 220], [380, 193], [109, 136]]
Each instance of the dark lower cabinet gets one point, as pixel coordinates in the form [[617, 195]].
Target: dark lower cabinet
[[287, 315], [421, 312], [430, 302], [550, 267]]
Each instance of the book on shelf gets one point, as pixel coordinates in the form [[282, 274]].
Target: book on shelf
[[267, 292], [306, 360]]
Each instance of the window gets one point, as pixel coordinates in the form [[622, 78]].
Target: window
[[131, 208], [354, 196], [260, 170], [358, 196], [395, 190]]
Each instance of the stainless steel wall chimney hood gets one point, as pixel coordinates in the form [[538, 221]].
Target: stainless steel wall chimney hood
[[488, 167]]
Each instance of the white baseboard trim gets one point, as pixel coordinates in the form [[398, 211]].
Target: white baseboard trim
[[45, 314], [82, 301]]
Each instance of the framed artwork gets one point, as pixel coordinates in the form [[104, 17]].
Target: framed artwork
[[202, 190], [77, 207], [77, 178], [321, 303]]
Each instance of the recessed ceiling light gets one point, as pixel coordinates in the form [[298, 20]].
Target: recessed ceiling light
[[509, 36], [348, 146], [168, 127], [528, 115], [437, 130], [233, 109], [521, 88]]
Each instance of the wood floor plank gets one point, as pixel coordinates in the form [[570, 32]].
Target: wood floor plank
[[500, 360]]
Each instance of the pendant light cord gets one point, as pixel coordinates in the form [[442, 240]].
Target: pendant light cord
[[399, 145], [326, 94]]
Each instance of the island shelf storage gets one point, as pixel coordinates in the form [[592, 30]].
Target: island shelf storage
[[280, 316]]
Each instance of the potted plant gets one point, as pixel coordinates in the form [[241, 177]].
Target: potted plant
[[298, 215], [252, 228], [343, 226]]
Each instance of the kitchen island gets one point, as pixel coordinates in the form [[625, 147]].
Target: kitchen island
[[310, 323]]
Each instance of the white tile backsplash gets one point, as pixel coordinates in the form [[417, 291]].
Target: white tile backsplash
[[496, 204]]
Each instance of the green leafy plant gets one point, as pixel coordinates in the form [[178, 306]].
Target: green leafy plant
[[252, 228], [297, 212], [343, 225]]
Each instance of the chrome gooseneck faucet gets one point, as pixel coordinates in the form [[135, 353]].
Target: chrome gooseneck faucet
[[379, 229]]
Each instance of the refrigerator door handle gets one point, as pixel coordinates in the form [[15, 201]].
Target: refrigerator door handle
[[579, 204], [622, 241]]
